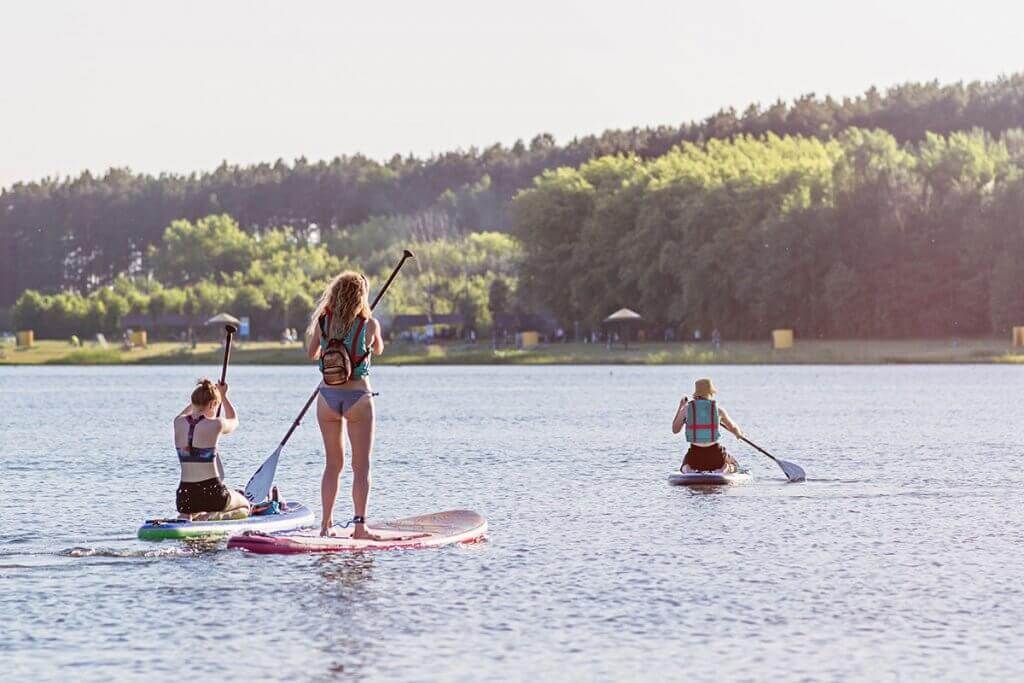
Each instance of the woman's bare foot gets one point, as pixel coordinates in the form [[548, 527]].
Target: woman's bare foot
[[327, 528], [360, 532]]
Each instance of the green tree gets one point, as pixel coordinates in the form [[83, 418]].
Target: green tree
[[190, 252]]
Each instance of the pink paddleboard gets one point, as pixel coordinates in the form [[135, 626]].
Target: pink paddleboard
[[424, 531]]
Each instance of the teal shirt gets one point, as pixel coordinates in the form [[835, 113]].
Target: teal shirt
[[355, 347], [359, 349]]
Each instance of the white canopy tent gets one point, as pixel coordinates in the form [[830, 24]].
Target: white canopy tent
[[622, 318], [223, 319]]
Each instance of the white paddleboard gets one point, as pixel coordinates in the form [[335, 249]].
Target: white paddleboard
[[292, 516], [423, 531], [709, 478]]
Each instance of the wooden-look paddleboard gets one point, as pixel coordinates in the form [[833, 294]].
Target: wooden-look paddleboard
[[423, 531]]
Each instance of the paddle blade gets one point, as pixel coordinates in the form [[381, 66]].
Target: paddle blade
[[793, 472], [258, 488]]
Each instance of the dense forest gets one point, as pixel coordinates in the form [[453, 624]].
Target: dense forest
[[856, 236], [211, 265], [884, 214]]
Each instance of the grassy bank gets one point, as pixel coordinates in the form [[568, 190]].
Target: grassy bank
[[734, 353]]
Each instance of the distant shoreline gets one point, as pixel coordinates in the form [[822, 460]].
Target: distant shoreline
[[805, 352]]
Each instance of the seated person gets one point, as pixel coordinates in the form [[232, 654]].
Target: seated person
[[196, 432], [703, 418]]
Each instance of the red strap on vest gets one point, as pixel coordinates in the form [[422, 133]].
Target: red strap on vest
[[712, 425]]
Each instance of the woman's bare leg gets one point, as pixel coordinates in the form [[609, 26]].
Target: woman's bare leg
[[730, 464], [360, 422], [236, 502], [334, 448]]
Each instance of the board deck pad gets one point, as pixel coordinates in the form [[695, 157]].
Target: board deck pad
[[292, 516], [709, 478], [423, 531]]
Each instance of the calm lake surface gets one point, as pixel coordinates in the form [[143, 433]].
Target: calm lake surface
[[900, 559]]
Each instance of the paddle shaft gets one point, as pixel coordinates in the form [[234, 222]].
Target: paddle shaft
[[298, 420], [230, 329], [405, 256], [743, 438], [312, 397]]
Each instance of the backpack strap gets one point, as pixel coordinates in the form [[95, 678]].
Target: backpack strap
[[355, 357]]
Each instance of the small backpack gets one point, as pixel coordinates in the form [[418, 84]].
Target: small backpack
[[336, 360]]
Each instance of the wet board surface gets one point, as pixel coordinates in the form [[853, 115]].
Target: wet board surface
[[709, 478], [292, 516], [423, 531]]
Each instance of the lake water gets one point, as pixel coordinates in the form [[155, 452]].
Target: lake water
[[900, 557]]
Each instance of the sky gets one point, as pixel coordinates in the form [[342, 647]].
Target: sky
[[182, 86]]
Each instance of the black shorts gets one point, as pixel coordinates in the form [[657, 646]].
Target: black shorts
[[706, 458], [209, 495]]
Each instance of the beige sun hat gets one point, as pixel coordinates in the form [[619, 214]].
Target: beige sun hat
[[704, 387]]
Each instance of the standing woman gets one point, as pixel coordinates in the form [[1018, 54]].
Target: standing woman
[[342, 327]]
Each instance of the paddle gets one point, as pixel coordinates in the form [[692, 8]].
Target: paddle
[[793, 472], [259, 485], [230, 329]]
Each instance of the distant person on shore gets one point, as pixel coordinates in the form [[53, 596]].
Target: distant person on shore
[[197, 430], [703, 419], [343, 337]]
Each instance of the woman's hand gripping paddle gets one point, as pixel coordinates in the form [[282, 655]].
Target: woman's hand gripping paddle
[[261, 482], [230, 329], [792, 471]]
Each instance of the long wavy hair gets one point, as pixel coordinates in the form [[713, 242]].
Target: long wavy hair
[[346, 297]]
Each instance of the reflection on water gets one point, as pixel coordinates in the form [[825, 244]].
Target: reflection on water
[[898, 558], [347, 570]]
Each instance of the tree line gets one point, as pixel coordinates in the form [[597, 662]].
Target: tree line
[[209, 266], [85, 233], [858, 235]]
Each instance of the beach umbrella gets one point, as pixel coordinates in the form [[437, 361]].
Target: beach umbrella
[[621, 318], [223, 319]]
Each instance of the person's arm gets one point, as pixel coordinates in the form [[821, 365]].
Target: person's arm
[[680, 418], [229, 422], [314, 346], [376, 337], [729, 424]]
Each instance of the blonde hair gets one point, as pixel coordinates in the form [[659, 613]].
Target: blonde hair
[[205, 392], [346, 297]]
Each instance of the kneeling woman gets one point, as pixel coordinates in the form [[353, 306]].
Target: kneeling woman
[[703, 418], [196, 432], [343, 336]]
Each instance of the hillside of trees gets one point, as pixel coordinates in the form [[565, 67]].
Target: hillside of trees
[[890, 213], [83, 232], [856, 236], [211, 265]]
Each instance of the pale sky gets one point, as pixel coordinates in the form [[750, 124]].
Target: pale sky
[[182, 85]]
